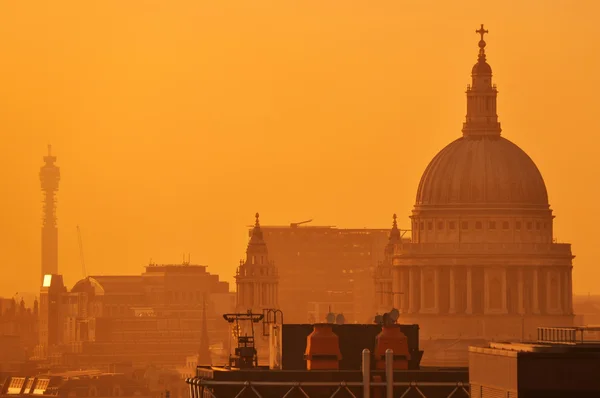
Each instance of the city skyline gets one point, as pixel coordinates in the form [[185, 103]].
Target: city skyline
[[207, 196]]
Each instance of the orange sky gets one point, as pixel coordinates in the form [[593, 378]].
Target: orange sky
[[175, 121]]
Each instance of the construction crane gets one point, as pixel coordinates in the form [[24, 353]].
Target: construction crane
[[295, 224], [81, 252]]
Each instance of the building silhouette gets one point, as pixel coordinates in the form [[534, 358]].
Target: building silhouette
[[49, 178], [18, 333], [324, 268], [384, 287], [161, 317], [482, 262], [257, 278]]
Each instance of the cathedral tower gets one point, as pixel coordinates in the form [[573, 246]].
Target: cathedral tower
[[256, 278], [384, 289], [49, 178]]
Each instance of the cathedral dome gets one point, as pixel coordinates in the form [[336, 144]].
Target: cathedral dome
[[487, 171], [482, 169]]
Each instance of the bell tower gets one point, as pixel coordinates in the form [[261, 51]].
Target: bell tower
[[256, 277], [384, 288], [49, 178]]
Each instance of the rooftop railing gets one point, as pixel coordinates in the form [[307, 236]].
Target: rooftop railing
[[567, 335]]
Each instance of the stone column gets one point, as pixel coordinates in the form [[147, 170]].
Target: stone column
[[486, 292], [570, 290], [396, 288], [422, 290], [535, 304], [520, 292], [561, 291], [436, 295], [452, 304], [469, 309], [504, 291], [411, 290], [400, 297], [548, 293]]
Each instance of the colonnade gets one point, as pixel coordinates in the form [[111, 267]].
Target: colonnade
[[487, 290], [251, 294]]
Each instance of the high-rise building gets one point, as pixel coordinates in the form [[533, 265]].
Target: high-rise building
[[49, 178], [483, 262]]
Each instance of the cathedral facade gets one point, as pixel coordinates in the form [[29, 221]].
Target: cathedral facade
[[482, 262]]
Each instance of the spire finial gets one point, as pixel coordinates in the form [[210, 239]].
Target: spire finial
[[482, 43], [395, 223], [49, 150], [257, 222], [482, 31]]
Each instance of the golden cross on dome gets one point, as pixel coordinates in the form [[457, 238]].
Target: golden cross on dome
[[482, 31]]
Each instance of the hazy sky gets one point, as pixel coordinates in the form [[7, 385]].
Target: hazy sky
[[175, 121]]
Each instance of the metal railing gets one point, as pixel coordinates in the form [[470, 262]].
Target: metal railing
[[203, 388], [566, 335]]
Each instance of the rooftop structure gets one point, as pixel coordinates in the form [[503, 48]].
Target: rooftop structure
[[561, 363]]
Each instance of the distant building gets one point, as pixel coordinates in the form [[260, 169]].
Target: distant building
[[18, 332], [154, 318], [483, 263], [322, 266]]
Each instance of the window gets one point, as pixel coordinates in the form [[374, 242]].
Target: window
[[505, 225], [529, 224], [492, 225], [440, 225], [464, 225], [452, 225], [538, 225], [429, 225], [518, 225], [478, 225], [421, 225]]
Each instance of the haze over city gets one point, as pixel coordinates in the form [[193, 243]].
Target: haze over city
[[174, 122]]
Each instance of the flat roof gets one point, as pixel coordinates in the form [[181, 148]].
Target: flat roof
[[512, 349]]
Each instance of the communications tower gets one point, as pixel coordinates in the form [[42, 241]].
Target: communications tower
[[49, 178]]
